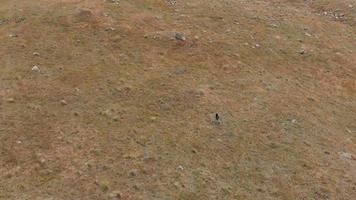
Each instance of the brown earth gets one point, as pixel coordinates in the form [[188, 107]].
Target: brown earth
[[120, 109]]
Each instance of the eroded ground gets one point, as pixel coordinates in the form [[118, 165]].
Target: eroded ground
[[119, 108]]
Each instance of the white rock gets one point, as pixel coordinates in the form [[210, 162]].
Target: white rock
[[346, 155], [64, 102], [36, 69], [13, 35]]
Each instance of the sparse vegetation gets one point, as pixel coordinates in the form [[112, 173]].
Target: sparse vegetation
[[123, 101]]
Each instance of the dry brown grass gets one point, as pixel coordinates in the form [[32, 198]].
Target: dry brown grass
[[140, 105]]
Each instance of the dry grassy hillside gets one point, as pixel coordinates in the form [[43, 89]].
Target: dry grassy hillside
[[117, 99]]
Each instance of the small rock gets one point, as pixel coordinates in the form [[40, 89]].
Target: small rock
[[346, 155], [114, 1], [10, 100], [64, 102], [35, 53], [42, 161], [133, 173], [158, 17], [115, 195], [177, 184], [35, 68], [110, 29], [180, 37], [180, 168], [302, 51], [348, 130], [76, 114], [179, 71], [13, 35]]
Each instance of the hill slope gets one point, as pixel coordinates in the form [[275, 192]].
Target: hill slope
[[117, 99]]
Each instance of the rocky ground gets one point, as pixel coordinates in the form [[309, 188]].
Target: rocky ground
[[118, 99]]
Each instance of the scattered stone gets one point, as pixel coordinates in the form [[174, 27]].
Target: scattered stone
[[302, 52], [338, 14], [64, 102], [180, 168], [42, 160], [159, 17], [114, 1], [348, 130], [19, 19], [180, 37], [10, 100], [177, 184], [110, 29], [308, 34], [346, 155], [257, 45], [133, 173], [171, 2], [115, 195], [18, 141], [4, 21], [35, 68], [13, 35], [179, 71]]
